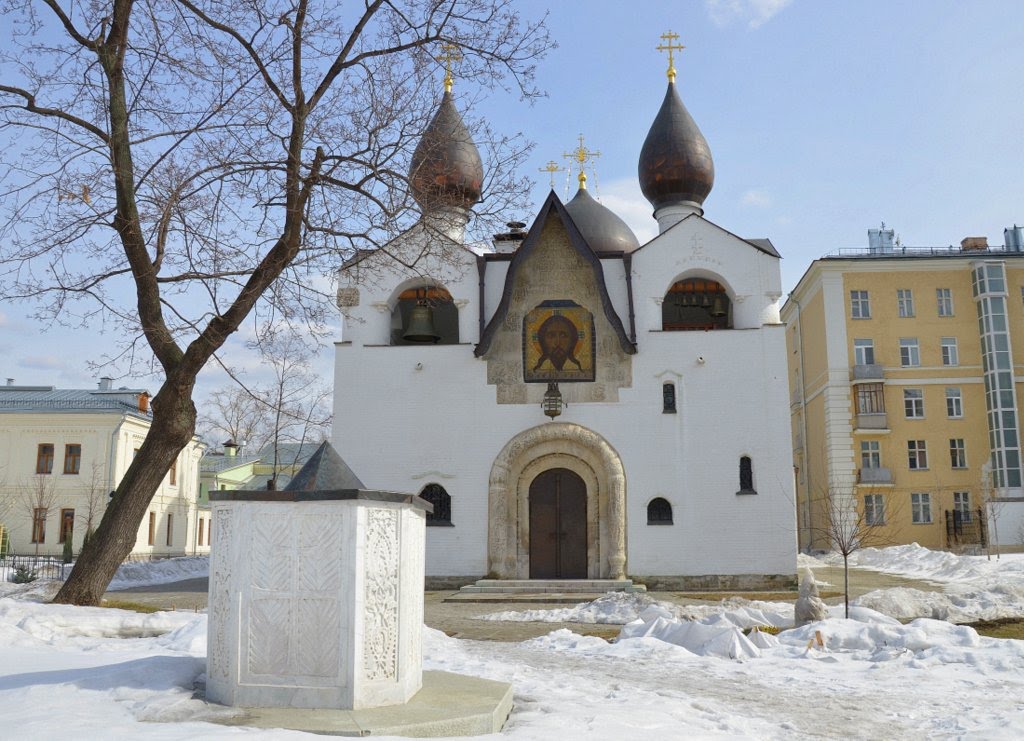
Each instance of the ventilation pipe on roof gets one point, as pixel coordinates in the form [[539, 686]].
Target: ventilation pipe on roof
[[1013, 238], [10, 381], [105, 382], [880, 241]]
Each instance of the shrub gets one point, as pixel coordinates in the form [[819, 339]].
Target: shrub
[[23, 575], [69, 553]]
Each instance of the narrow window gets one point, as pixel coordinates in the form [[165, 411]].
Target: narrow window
[[950, 352], [173, 473], [170, 529], [957, 453], [44, 459], [874, 509], [910, 352], [962, 506], [870, 454], [152, 527], [921, 508], [39, 525], [199, 540], [944, 297], [860, 305], [954, 402], [863, 352], [442, 501], [72, 458], [668, 398], [913, 403], [917, 455], [659, 512], [905, 302], [67, 525], [746, 476]]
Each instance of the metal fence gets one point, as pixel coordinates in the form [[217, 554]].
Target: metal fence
[[53, 567], [965, 528]]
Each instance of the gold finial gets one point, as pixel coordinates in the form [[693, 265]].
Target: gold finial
[[551, 168], [582, 155], [450, 53], [668, 46]]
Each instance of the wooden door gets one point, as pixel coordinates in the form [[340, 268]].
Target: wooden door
[[558, 526]]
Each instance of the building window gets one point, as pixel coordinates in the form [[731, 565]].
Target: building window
[[442, 501], [152, 528], [668, 398], [962, 506], [870, 454], [950, 353], [917, 455], [954, 402], [44, 459], [746, 476], [170, 529], [199, 540], [860, 305], [870, 399], [874, 509], [944, 297], [920, 508], [957, 453], [910, 352], [659, 512], [172, 474], [72, 458], [863, 352], [905, 302], [39, 525], [913, 403], [67, 525]]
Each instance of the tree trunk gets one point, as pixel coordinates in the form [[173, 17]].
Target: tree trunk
[[174, 420], [846, 584]]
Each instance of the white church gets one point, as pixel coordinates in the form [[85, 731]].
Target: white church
[[575, 405]]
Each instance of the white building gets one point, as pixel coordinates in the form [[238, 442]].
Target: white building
[[63, 451], [670, 460]]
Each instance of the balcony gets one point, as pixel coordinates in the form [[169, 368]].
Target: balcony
[[877, 421], [876, 476], [866, 373]]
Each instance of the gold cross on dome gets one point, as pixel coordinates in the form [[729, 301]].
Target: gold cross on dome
[[551, 168], [668, 37], [449, 54], [582, 155]]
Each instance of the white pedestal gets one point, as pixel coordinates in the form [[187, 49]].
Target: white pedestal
[[317, 602]]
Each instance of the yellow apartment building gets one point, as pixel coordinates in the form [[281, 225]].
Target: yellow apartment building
[[905, 368]]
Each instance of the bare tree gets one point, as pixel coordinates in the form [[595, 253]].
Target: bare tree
[[96, 493], [237, 413], [38, 495], [212, 160]]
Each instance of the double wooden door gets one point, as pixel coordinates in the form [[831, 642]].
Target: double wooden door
[[558, 526]]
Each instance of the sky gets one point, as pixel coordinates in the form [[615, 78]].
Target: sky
[[824, 119]]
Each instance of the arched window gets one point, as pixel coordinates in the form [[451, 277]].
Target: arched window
[[442, 501], [695, 303], [443, 316], [746, 476], [668, 398], [659, 512]]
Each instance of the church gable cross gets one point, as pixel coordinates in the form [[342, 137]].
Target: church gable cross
[[582, 155], [668, 37], [449, 53]]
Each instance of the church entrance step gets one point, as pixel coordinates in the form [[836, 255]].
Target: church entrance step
[[551, 586]]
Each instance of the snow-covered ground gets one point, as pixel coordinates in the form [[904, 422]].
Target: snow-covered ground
[[99, 673]]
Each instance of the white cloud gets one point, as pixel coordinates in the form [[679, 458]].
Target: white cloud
[[756, 198], [752, 13], [42, 362]]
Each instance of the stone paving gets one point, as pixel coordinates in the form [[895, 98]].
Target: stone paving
[[456, 618]]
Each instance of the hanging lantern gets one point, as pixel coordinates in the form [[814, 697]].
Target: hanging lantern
[[421, 324], [552, 403]]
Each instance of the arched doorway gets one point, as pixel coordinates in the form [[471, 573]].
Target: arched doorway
[[558, 525]]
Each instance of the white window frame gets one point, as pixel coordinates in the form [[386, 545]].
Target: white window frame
[[954, 402], [950, 351], [913, 403], [944, 299], [957, 453], [921, 508], [874, 509], [905, 302], [910, 352], [870, 454], [917, 455], [860, 305], [962, 504], [863, 352]]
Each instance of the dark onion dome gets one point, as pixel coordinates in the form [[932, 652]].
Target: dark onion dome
[[601, 228], [446, 169], [675, 161]]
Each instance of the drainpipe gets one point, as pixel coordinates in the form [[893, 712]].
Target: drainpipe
[[627, 264], [481, 269], [803, 419]]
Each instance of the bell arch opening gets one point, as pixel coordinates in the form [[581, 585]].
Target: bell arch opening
[[424, 315], [696, 303]]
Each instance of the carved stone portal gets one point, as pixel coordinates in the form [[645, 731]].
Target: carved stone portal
[[526, 456]]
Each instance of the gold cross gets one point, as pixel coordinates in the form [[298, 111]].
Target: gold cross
[[582, 155], [450, 53], [551, 168], [668, 46]]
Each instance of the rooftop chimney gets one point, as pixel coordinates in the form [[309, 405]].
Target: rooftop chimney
[[104, 384], [1013, 238], [144, 402], [10, 381], [880, 240], [968, 244], [230, 447], [509, 242]]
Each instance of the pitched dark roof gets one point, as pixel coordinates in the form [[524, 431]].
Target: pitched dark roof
[[50, 400], [325, 471], [761, 245], [553, 208]]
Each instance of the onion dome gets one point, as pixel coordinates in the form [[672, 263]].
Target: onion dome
[[601, 228], [446, 169], [675, 167]]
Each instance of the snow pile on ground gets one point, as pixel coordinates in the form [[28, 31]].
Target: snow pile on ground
[[143, 573]]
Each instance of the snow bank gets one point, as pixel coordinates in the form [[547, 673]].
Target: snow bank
[[144, 573], [31, 623]]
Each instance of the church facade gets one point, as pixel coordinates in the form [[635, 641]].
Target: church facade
[[575, 405]]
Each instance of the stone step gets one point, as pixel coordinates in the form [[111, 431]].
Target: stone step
[[551, 586]]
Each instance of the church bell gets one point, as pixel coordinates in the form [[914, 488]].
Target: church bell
[[421, 324], [718, 309]]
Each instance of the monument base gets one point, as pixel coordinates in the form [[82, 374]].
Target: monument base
[[447, 705]]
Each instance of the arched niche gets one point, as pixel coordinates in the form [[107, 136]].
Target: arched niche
[[696, 302], [443, 311]]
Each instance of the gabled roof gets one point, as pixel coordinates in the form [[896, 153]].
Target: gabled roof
[[217, 463], [553, 208], [50, 400], [759, 244]]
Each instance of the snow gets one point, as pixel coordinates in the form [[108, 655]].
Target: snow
[[676, 671]]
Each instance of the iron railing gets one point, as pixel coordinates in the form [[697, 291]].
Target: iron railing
[[965, 528]]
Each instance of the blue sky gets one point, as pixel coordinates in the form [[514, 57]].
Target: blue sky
[[824, 119]]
